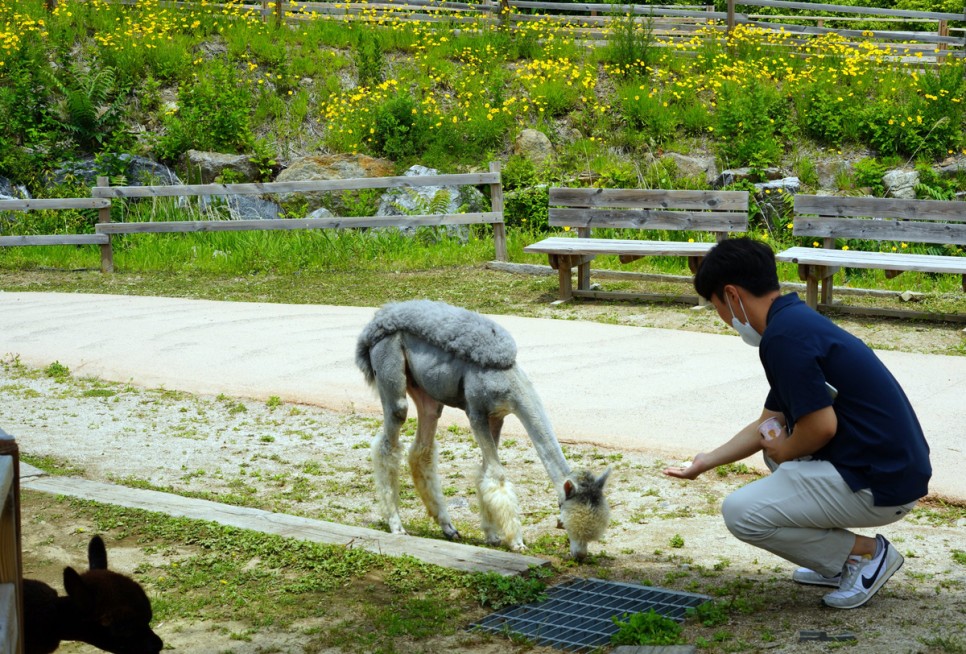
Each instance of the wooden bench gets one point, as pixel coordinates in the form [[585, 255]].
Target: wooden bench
[[105, 228], [715, 212], [882, 220]]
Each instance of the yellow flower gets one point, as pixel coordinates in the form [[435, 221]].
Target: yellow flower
[[845, 247]]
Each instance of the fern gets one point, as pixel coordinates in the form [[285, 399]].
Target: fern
[[91, 106]]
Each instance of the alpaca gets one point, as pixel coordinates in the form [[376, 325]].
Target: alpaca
[[445, 355], [102, 608]]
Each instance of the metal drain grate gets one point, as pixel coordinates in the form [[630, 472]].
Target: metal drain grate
[[576, 616]]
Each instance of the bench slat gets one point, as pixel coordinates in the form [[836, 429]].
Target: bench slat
[[711, 221], [825, 205], [877, 260], [55, 239], [650, 199], [882, 230], [298, 223], [596, 246]]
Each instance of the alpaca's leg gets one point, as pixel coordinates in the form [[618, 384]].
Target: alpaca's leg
[[499, 506], [423, 461], [389, 363]]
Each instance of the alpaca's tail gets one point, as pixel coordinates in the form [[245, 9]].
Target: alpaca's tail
[[363, 361]]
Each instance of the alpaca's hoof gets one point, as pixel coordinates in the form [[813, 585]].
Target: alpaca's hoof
[[451, 534], [518, 546], [494, 540], [395, 527]]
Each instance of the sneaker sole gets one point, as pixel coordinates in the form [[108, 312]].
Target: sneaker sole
[[827, 584], [880, 582]]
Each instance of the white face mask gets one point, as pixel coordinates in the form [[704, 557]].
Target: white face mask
[[747, 332]]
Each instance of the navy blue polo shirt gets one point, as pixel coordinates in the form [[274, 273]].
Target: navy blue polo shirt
[[879, 443]]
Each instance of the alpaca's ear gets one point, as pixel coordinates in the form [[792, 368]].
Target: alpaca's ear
[[76, 588], [569, 488], [97, 554]]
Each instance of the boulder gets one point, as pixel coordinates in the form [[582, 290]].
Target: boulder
[[771, 198], [11, 191], [730, 176], [686, 166], [951, 166], [137, 171], [332, 166], [901, 184], [533, 145], [241, 207], [204, 167], [419, 200]]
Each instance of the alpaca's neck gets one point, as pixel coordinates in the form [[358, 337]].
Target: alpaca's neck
[[69, 625], [529, 409]]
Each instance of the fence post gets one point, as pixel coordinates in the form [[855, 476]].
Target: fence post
[[104, 216], [731, 16], [943, 31], [50, 5], [505, 13], [264, 11], [496, 204], [278, 13]]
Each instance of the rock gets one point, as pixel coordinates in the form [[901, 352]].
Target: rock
[[771, 197], [910, 296], [901, 183], [418, 200], [829, 171], [332, 166], [137, 171], [11, 191], [321, 212], [951, 166], [242, 207], [204, 167], [728, 177], [784, 185], [690, 167], [533, 145]]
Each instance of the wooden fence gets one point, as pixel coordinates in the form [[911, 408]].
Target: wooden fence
[[670, 24], [105, 195]]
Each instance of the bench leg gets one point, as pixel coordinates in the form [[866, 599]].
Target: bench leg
[[583, 276], [566, 285]]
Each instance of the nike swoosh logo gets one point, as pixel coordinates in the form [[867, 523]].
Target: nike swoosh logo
[[868, 581]]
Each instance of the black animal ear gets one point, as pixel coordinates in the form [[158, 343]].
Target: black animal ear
[[97, 554], [76, 588], [570, 488]]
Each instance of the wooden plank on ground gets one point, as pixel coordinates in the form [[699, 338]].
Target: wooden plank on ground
[[457, 556]]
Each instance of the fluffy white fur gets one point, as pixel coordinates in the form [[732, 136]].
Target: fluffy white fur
[[441, 355]]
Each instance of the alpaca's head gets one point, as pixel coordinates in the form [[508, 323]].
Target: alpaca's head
[[584, 512]]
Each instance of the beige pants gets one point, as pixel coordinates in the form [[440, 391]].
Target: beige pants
[[802, 512]]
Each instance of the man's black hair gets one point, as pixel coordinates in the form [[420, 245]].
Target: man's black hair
[[741, 261]]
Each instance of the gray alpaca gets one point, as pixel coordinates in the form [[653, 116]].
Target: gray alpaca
[[445, 355]]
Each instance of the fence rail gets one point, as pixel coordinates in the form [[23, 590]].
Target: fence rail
[[104, 196]]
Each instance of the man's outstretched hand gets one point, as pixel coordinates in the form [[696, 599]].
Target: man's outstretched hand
[[698, 465]]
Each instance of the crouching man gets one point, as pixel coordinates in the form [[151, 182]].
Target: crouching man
[[843, 443]]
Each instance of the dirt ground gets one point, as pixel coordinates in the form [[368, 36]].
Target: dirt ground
[[664, 532]]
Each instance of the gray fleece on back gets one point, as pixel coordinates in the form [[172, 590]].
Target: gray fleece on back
[[465, 334]]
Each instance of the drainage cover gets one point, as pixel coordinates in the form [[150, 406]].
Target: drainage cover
[[576, 616]]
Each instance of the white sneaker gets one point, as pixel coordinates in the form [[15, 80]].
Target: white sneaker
[[862, 576], [812, 578]]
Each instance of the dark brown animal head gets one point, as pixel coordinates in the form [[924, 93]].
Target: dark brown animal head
[[103, 608]]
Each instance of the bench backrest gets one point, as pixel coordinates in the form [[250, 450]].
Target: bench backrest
[[659, 209], [880, 219]]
